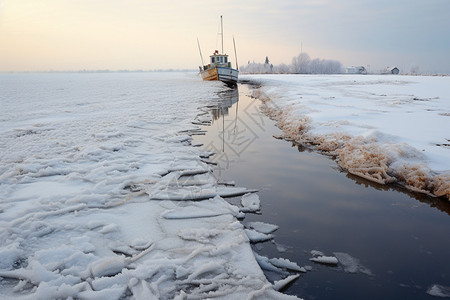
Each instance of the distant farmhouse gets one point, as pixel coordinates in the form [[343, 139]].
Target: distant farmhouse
[[391, 70], [356, 70]]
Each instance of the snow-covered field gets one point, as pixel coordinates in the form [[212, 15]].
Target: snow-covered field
[[383, 128], [97, 175]]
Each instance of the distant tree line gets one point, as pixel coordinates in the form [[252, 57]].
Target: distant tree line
[[301, 64]]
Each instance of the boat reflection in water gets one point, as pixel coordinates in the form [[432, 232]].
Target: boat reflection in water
[[227, 99], [236, 122]]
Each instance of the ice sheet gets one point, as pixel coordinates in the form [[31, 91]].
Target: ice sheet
[[90, 164]]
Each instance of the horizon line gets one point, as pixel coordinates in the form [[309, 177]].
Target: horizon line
[[99, 71]]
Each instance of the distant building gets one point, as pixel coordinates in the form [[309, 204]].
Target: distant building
[[356, 70], [391, 70]]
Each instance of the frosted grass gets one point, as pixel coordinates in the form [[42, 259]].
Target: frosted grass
[[382, 128]]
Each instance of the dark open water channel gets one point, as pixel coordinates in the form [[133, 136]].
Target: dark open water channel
[[401, 237]]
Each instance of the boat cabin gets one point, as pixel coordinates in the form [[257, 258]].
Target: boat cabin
[[218, 60]]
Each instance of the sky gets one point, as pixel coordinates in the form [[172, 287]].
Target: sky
[[66, 35]]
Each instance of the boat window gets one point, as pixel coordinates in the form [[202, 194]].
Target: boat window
[[226, 59], [212, 59], [221, 59]]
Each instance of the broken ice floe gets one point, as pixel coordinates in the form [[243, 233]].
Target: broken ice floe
[[262, 227], [327, 260], [348, 263], [250, 202], [279, 265], [196, 193], [316, 253], [320, 258], [260, 231], [190, 184], [264, 263], [203, 209], [282, 267], [287, 264], [256, 237], [351, 264], [438, 290], [280, 284], [281, 247]]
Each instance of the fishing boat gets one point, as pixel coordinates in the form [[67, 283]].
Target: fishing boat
[[219, 67]]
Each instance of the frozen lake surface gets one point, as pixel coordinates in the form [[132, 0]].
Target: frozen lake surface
[[97, 178], [103, 194], [389, 242]]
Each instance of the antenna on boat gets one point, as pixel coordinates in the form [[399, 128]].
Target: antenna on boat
[[200, 50], [235, 55], [221, 30]]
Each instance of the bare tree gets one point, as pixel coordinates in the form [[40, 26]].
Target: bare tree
[[301, 64]]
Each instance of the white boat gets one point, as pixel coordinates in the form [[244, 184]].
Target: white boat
[[219, 67]]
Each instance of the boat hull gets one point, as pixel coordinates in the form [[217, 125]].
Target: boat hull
[[224, 74], [210, 74], [228, 75]]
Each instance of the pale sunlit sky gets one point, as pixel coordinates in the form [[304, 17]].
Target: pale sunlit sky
[[41, 35]]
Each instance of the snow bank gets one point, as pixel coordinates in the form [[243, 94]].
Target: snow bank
[[101, 193], [382, 128]]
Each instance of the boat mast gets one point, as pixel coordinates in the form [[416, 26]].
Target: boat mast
[[200, 50], [235, 55], [221, 31]]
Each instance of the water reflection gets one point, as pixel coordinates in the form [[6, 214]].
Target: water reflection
[[441, 204], [227, 99], [234, 128], [401, 236]]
